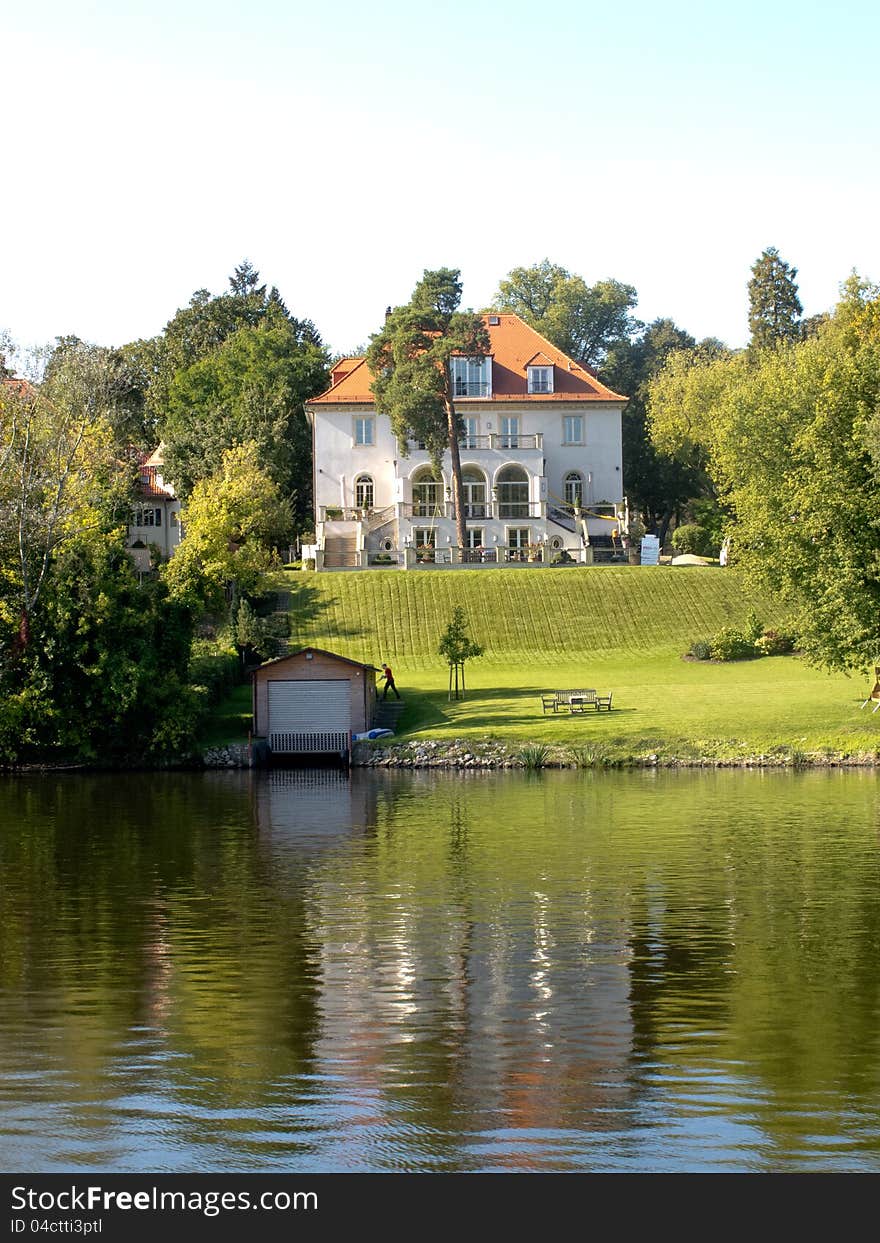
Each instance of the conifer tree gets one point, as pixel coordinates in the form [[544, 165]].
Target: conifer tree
[[774, 306]]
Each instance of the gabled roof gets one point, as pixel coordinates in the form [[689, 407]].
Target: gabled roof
[[514, 346], [320, 652]]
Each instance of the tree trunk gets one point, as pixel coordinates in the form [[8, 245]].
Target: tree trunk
[[457, 485]]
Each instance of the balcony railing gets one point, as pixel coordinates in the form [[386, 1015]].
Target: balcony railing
[[476, 512], [497, 440]]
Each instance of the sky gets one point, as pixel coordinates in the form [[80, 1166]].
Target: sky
[[343, 148]]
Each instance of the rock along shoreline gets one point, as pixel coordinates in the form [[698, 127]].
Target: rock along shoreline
[[491, 755]]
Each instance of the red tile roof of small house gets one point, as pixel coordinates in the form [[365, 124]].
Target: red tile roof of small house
[[514, 346]]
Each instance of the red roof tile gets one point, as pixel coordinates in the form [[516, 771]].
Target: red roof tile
[[514, 346]]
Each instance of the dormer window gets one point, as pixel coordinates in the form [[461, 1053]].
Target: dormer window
[[471, 377], [540, 379]]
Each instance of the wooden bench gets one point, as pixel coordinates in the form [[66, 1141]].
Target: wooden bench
[[575, 700]]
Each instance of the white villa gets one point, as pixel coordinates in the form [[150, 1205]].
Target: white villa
[[156, 516], [541, 463]]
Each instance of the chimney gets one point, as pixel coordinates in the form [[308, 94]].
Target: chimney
[[388, 312]]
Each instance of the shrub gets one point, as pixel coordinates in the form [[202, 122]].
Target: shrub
[[382, 558], [754, 628], [562, 557], [216, 672], [535, 755], [775, 643], [730, 644], [308, 563], [694, 539], [701, 649]]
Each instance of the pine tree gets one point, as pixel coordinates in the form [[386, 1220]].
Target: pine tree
[[774, 306]]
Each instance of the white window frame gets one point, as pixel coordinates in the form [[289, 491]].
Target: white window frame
[[471, 539], [471, 375], [364, 431], [572, 429], [471, 432], [572, 477], [510, 431], [364, 492], [540, 379]]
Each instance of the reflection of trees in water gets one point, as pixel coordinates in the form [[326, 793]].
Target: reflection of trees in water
[[448, 956], [142, 913]]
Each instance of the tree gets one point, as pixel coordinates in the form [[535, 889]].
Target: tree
[[234, 521], [411, 362], [250, 388], [774, 305], [59, 475], [788, 437], [582, 320], [229, 368], [656, 483], [456, 646]]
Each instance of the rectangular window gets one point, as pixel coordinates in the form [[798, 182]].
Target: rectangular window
[[469, 439], [364, 430], [471, 377], [510, 433], [573, 429], [540, 379], [474, 536], [147, 516], [517, 543]]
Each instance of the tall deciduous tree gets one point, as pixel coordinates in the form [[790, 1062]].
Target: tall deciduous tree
[[789, 438], [582, 320], [58, 475], [234, 521], [774, 306], [411, 361], [230, 368], [656, 484]]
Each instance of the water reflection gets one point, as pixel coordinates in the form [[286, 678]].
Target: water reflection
[[579, 971]]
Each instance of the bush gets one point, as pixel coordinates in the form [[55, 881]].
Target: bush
[[382, 558], [730, 644], [562, 558], [775, 643], [701, 650], [217, 672], [694, 539], [308, 563]]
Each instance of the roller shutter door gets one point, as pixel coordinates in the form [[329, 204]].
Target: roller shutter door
[[309, 716]]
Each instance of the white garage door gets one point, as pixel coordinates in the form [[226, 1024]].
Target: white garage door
[[309, 716]]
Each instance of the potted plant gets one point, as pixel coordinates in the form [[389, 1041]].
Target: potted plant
[[332, 513], [425, 552]]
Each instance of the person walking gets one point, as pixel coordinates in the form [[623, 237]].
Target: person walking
[[388, 677]]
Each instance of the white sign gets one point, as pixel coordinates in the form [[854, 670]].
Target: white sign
[[650, 550]]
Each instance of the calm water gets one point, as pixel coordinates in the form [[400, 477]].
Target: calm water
[[562, 971]]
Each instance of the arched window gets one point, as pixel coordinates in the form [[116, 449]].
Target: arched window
[[427, 493], [513, 492], [363, 492], [474, 483], [574, 488]]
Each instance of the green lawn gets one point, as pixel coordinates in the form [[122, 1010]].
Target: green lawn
[[617, 628]]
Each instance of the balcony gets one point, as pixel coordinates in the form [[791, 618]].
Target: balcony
[[477, 511], [498, 441]]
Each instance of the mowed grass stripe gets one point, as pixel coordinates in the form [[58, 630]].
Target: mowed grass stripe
[[394, 615]]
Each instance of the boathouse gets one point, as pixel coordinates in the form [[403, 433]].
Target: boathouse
[[312, 701]]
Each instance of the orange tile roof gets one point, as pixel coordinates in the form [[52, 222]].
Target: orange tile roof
[[514, 345]]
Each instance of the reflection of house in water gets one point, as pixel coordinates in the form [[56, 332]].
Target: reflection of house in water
[[460, 991], [307, 809]]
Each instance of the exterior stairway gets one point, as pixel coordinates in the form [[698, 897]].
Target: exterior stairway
[[340, 552], [387, 714]]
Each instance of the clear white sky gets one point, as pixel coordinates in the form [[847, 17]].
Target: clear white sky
[[343, 147]]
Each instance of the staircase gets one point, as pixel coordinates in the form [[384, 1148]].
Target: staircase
[[387, 714], [340, 552]]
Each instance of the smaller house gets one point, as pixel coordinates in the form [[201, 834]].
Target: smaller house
[[312, 701], [155, 520]]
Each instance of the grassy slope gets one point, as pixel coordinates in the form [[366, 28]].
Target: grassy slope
[[616, 628]]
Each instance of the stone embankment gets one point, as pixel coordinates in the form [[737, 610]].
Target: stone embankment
[[490, 754]]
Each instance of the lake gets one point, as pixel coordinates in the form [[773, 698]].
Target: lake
[[555, 971]]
